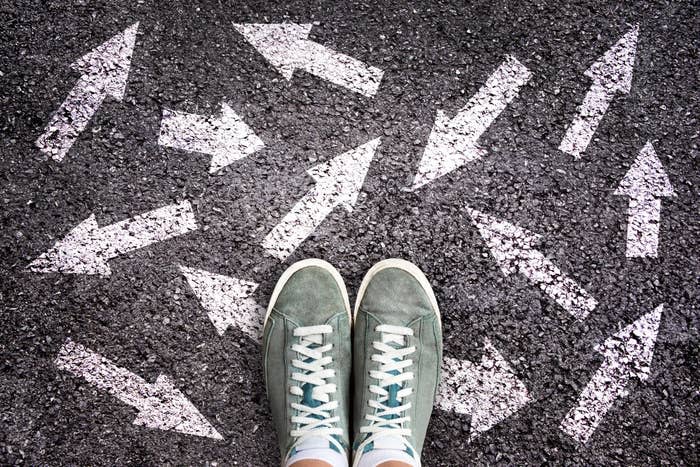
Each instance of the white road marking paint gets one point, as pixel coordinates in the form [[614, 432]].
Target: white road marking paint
[[228, 301], [88, 248], [104, 73], [287, 47], [644, 184], [512, 247], [338, 182], [160, 404], [454, 142], [612, 74], [627, 354], [489, 391], [226, 138]]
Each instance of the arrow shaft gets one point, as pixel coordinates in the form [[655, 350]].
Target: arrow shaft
[[584, 125], [140, 231], [337, 68], [189, 132], [71, 118], [643, 216], [607, 385]]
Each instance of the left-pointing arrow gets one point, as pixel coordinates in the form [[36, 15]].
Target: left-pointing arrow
[[160, 405], [88, 248], [104, 73], [226, 138]]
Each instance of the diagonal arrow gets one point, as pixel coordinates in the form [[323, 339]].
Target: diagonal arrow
[[104, 73], [611, 75], [490, 392], [453, 142], [160, 405], [226, 138], [338, 182], [228, 301], [88, 248], [644, 184], [287, 47], [513, 249], [627, 354]]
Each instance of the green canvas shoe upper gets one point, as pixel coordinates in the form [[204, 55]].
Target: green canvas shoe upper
[[397, 355], [307, 358]]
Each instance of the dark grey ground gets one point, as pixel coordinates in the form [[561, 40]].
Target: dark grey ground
[[188, 56]]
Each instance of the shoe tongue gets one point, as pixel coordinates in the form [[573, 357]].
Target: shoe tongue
[[389, 442]]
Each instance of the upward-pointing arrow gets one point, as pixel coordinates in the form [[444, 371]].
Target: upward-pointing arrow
[[454, 142], [644, 184], [338, 182], [104, 73], [286, 47], [611, 75], [627, 354]]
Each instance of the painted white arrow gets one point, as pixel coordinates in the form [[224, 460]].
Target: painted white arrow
[[644, 184], [226, 138], [490, 391], [88, 248], [228, 301], [611, 75], [104, 73], [627, 354], [287, 47], [513, 248], [160, 405], [454, 142], [338, 181]]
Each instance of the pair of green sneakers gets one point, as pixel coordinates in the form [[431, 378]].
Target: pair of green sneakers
[[391, 348]]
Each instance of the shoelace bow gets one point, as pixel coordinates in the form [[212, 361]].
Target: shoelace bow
[[388, 420], [314, 421]]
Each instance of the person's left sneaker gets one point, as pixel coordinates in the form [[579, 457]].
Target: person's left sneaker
[[307, 361]]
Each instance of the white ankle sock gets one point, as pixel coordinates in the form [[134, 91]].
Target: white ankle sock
[[318, 449], [386, 449]]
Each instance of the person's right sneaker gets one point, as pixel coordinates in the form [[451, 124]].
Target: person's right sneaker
[[397, 352]]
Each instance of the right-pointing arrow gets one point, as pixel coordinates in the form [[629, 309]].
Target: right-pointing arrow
[[612, 74], [226, 138], [490, 391], [644, 184], [160, 405], [513, 249], [338, 182], [627, 354]]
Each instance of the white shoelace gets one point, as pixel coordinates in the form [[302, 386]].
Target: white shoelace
[[389, 421], [317, 421]]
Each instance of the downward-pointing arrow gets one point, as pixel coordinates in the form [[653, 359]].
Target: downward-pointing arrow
[[160, 404], [644, 184], [104, 73], [453, 142], [338, 182], [226, 138], [611, 75], [286, 47], [627, 354], [513, 249], [228, 301], [489, 391], [87, 248]]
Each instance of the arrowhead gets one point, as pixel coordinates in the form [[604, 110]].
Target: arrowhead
[[277, 43], [343, 176], [634, 345], [615, 67], [236, 140], [109, 63], [509, 244], [166, 408], [77, 253], [646, 178], [448, 148], [227, 300]]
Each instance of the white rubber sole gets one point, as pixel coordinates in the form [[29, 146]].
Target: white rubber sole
[[301, 265], [404, 265]]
